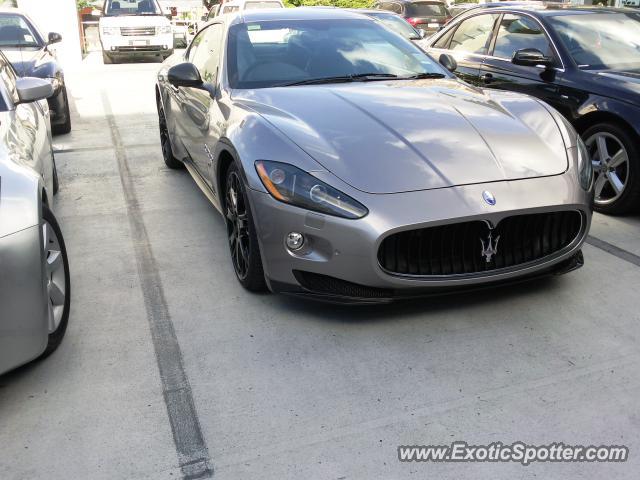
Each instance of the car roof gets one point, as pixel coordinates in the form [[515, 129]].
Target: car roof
[[300, 13], [417, 1], [545, 9], [373, 11]]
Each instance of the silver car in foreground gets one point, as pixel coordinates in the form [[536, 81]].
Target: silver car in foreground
[[34, 271], [350, 166]]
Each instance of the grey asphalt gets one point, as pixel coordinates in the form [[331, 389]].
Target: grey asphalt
[[170, 368]]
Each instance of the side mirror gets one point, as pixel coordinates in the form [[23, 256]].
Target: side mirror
[[531, 57], [54, 38], [184, 75], [32, 89], [422, 33], [204, 18], [448, 62]]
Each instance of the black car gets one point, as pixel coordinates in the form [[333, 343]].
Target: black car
[[585, 62], [427, 15], [31, 56]]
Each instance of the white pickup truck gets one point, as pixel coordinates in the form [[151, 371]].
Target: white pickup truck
[[134, 27]]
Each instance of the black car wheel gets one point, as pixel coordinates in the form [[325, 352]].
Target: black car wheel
[[66, 126], [165, 142], [57, 279], [243, 241], [616, 163]]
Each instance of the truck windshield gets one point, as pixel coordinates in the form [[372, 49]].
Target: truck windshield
[[114, 8]]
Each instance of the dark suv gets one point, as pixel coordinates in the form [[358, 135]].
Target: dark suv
[[427, 15]]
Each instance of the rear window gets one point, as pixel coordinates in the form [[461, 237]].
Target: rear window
[[257, 5], [426, 9]]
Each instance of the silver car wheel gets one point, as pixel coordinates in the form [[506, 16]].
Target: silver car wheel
[[610, 165], [55, 276]]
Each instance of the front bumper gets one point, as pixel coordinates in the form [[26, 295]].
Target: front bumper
[[347, 250], [23, 307], [130, 45]]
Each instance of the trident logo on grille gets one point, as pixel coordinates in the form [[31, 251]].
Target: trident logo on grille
[[491, 248]]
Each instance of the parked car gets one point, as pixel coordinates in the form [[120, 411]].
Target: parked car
[[427, 15], [34, 284], [581, 61], [395, 23], [134, 27], [350, 166], [32, 56], [239, 5]]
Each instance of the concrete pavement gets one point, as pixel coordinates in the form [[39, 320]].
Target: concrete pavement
[[281, 388]]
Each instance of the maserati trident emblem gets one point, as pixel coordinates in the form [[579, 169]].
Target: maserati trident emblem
[[491, 248], [489, 198]]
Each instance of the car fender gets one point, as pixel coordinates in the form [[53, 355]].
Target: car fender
[[21, 196]]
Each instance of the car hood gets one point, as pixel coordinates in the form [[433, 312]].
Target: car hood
[[388, 137], [24, 60]]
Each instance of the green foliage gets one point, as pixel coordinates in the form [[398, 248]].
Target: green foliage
[[83, 4], [329, 3]]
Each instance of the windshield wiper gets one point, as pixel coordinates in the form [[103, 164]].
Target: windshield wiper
[[419, 76], [360, 77]]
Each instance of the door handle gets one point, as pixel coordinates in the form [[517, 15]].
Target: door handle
[[486, 78]]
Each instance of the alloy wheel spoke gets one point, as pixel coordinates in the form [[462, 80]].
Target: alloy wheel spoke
[[56, 294], [600, 183], [51, 318], [603, 152], [619, 158], [616, 183], [54, 260]]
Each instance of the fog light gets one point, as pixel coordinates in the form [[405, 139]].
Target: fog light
[[294, 241]]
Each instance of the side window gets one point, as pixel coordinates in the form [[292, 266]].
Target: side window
[[517, 32], [8, 78], [195, 44], [473, 34], [207, 54], [444, 41]]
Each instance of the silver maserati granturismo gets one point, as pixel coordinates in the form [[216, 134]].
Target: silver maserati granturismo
[[34, 270], [350, 166]]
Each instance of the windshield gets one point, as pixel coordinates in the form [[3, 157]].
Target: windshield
[[601, 40], [426, 9], [114, 8], [264, 4], [274, 53], [16, 32], [396, 24]]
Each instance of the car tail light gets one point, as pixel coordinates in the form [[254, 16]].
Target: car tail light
[[413, 21]]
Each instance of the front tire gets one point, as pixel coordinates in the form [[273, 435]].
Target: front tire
[[66, 126], [241, 231], [165, 142], [57, 279], [616, 161]]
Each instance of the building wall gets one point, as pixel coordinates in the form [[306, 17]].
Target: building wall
[[59, 16]]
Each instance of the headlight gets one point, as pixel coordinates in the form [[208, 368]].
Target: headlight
[[110, 30], [165, 29], [295, 187], [585, 167]]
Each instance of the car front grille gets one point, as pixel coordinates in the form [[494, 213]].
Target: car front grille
[[467, 248], [137, 31]]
